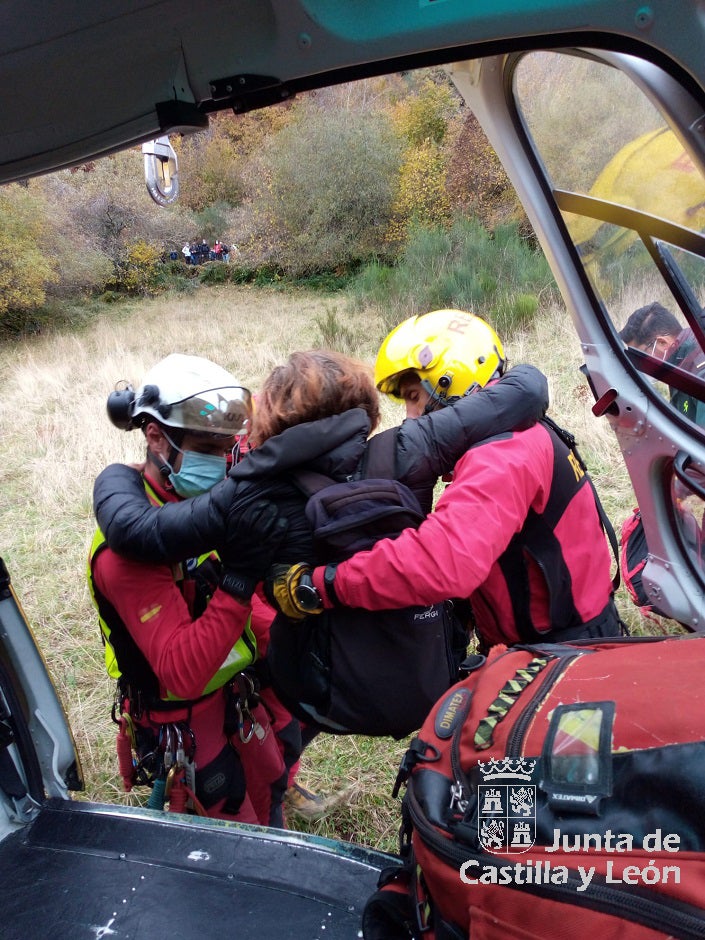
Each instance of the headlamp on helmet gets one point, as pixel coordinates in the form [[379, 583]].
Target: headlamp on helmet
[[451, 352], [185, 392]]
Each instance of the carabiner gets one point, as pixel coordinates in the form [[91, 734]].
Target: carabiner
[[242, 716], [161, 171], [168, 748]]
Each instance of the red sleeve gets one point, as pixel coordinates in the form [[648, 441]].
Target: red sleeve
[[184, 654], [262, 617], [451, 553]]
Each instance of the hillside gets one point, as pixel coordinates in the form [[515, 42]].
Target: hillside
[[56, 437]]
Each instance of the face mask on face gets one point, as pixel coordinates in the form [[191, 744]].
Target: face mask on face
[[198, 474]]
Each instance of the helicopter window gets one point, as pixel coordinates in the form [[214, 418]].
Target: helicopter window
[[630, 191], [633, 202]]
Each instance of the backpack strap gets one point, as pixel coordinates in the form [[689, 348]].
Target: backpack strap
[[693, 362], [569, 441], [310, 482], [378, 463]]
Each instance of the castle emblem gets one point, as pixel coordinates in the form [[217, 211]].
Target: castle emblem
[[507, 810]]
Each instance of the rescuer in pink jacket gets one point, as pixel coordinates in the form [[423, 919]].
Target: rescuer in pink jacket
[[518, 533]]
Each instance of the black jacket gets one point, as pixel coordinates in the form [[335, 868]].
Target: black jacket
[[426, 448]]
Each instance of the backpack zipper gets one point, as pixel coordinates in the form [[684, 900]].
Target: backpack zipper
[[656, 915], [461, 788], [521, 725], [461, 785]]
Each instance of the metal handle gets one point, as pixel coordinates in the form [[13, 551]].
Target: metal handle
[[681, 465]]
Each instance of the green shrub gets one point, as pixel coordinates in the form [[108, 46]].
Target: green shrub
[[267, 275], [214, 272], [175, 276], [525, 307], [334, 334], [240, 274], [326, 281], [58, 315], [499, 276], [178, 269], [111, 297], [329, 183]]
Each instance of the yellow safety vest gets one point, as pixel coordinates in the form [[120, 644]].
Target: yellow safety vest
[[243, 653]]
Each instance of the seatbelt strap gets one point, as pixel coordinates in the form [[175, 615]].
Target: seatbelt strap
[[11, 783]]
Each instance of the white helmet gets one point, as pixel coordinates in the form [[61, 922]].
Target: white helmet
[[185, 392]]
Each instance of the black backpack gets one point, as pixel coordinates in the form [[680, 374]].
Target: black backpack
[[353, 671]]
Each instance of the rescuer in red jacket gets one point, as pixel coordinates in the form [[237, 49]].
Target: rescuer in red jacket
[[518, 532], [180, 639]]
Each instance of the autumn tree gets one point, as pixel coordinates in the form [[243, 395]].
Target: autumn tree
[[421, 120], [210, 170], [212, 162], [327, 183], [105, 211], [477, 183], [25, 267], [424, 113]]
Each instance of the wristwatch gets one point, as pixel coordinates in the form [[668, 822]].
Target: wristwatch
[[307, 596]]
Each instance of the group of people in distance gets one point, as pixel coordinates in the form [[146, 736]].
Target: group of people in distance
[[207, 544], [200, 252]]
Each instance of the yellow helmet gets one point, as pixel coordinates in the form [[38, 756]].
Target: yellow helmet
[[451, 352]]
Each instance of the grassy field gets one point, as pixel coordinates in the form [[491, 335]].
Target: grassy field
[[55, 437]]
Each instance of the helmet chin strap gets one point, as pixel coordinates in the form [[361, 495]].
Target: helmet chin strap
[[164, 465], [438, 394], [161, 463], [433, 403]]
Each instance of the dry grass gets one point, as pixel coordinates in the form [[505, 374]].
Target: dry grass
[[55, 438]]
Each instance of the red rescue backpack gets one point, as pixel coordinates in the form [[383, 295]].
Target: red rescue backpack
[[633, 553], [556, 792]]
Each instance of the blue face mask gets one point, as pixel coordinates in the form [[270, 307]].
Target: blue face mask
[[198, 474]]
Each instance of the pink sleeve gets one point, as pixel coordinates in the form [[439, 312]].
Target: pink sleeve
[[184, 654], [451, 553], [262, 617]]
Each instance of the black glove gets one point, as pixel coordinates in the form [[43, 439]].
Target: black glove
[[254, 537]]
